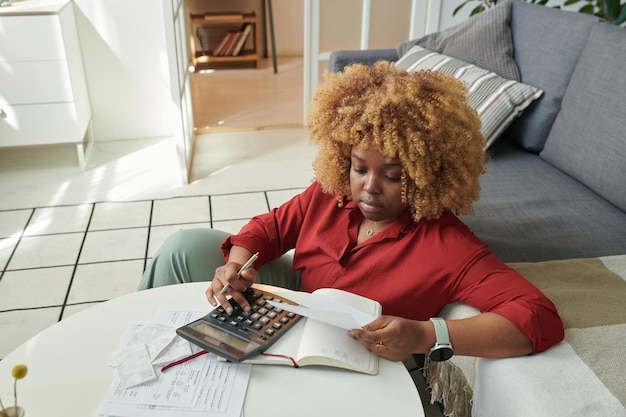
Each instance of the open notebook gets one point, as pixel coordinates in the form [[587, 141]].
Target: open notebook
[[313, 342]]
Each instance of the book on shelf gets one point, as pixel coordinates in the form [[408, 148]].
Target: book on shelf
[[230, 45], [245, 32], [314, 342], [217, 51]]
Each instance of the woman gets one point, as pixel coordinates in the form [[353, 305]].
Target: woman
[[399, 157]]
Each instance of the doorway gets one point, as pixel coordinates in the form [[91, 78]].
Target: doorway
[[240, 96]]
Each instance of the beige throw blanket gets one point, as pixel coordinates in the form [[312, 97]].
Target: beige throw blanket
[[584, 375]]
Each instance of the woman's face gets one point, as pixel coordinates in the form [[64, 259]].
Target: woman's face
[[376, 185]]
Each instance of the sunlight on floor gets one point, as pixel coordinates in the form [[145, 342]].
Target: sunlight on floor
[[252, 160], [122, 171], [148, 169]]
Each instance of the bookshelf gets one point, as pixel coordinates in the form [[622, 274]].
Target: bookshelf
[[208, 30]]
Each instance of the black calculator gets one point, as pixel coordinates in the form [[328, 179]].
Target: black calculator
[[241, 335]]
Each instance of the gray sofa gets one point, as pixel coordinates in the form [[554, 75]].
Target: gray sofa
[[552, 205], [555, 186]]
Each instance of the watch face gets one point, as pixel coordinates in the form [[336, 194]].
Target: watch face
[[440, 354]]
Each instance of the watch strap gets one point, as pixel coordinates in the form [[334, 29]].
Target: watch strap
[[441, 331]]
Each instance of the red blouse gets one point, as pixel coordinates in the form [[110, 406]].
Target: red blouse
[[412, 269]]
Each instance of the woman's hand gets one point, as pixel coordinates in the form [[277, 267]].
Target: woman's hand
[[227, 274], [394, 338], [486, 335]]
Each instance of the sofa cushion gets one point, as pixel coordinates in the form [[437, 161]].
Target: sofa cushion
[[588, 140], [338, 60], [496, 100], [547, 44], [483, 39], [530, 211]]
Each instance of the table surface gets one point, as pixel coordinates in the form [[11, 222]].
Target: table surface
[[67, 368]]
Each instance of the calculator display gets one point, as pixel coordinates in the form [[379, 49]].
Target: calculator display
[[214, 334]]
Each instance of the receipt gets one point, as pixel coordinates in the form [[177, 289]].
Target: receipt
[[146, 345], [161, 341], [136, 366]]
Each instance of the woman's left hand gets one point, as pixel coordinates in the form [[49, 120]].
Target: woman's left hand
[[393, 338]]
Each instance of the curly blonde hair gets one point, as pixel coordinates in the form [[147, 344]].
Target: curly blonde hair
[[421, 118]]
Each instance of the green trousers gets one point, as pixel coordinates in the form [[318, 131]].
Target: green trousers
[[192, 255]]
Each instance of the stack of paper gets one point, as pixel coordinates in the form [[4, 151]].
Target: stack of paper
[[204, 386]]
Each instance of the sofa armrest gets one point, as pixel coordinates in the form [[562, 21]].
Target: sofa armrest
[[341, 59]]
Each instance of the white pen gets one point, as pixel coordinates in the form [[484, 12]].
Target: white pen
[[248, 264]]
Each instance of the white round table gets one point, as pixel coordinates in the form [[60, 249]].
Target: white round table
[[68, 375]]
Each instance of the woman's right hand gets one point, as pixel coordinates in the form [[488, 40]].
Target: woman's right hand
[[227, 274]]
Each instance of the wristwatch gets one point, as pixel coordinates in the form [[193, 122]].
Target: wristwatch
[[442, 351]]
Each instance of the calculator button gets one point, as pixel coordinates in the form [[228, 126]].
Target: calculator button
[[264, 320], [257, 326], [284, 320], [272, 315], [262, 310], [276, 325], [270, 332]]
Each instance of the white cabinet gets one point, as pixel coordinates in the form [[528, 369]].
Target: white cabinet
[[43, 91]]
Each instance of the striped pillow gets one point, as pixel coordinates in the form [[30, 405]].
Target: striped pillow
[[497, 101]]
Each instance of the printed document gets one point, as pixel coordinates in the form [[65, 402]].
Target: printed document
[[204, 386]]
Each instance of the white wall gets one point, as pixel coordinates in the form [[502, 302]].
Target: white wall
[[340, 21], [123, 45]]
